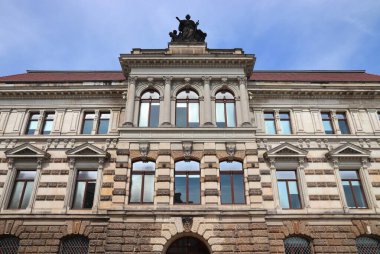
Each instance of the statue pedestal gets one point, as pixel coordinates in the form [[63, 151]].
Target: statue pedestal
[[187, 48]]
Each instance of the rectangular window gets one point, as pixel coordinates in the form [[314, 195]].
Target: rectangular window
[[342, 122], [181, 115], [104, 121], [285, 123], [48, 123], [232, 183], [270, 126], [327, 123], [32, 123], [353, 189], [85, 189], [22, 190], [142, 184], [88, 123], [288, 189], [187, 185]]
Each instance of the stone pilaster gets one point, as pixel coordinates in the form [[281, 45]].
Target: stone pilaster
[[130, 104]]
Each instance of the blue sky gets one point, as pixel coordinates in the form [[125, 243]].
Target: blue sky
[[284, 35]]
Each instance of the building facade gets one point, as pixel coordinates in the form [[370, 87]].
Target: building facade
[[188, 150]]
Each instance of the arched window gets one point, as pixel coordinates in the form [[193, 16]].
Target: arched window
[[232, 182], [142, 183], [187, 184], [149, 109], [187, 109], [74, 244], [367, 245], [9, 244], [297, 245], [225, 109]]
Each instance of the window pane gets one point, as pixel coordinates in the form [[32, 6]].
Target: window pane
[[284, 116], [136, 188], [283, 193], [325, 116], [231, 166], [144, 166], [48, 126], [16, 195], [294, 197], [230, 114], [268, 115], [285, 127], [181, 115], [180, 189], [348, 194], [87, 126], [26, 175], [27, 194], [343, 126], [238, 189], [346, 174], [154, 114], [193, 115], [286, 174], [194, 189], [224, 95], [104, 123], [87, 175], [359, 195], [187, 166], [148, 188], [220, 121], [90, 193], [32, 127], [270, 127], [144, 113], [225, 189], [327, 125], [79, 195]]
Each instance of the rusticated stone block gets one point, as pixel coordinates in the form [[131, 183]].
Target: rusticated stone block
[[164, 152], [211, 192], [121, 165], [251, 152], [268, 197], [119, 191], [255, 192], [122, 151], [266, 185], [377, 197], [163, 178], [1, 184], [105, 198], [376, 184], [163, 192], [108, 172], [120, 178], [3, 172], [324, 197], [211, 178], [209, 152], [107, 185], [254, 178]]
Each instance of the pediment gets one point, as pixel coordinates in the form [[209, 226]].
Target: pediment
[[286, 150], [86, 150], [349, 150], [26, 151]]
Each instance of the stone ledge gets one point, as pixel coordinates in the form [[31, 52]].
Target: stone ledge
[[319, 172], [55, 172], [108, 172]]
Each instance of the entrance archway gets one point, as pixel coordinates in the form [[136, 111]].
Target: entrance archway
[[187, 245]]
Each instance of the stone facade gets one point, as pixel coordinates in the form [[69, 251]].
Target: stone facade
[[114, 224]]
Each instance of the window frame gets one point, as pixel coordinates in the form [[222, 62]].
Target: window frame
[[30, 120], [271, 119], [345, 120], [84, 120], [188, 172], [187, 101], [289, 120], [149, 101], [45, 120], [225, 101], [231, 173], [287, 190], [84, 192], [100, 119], [142, 173], [25, 182], [350, 180]]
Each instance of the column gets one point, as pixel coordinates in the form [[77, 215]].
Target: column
[[166, 114], [130, 104], [207, 102], [244, 102]]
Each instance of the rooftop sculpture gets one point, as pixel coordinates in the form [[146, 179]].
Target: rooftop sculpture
[[188, 31]]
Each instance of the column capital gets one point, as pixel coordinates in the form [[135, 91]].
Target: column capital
[[206, 79], [242, 80], [167, 79], [132, 79]]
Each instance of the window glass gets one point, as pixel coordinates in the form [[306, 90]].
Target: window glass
[[103, 123], [79, 194], [231, 166], [342, 122], [144, 114], [187, 166], [225, 188], [193, 115], [353, 190], [327, 123], [194, 189], [230, 114], [154, 114], [349, 174], [85, 189], [270, 127], [220, 117], [293, 193], [297, 245], [358, 193], [136, 185], [348, 194], [286, 175], [187, 182], [239, 197], [88, 123], [144, 166], [288, 189], [16, 195], [181, 115], [32, 124], [48, 123], [142, 185], [89, 195], [180, 189], [148, 188], [187, 95], [74, 244], [285, 123], [232, 182], [283, 193], [22, 190], [367, 245], [27, 194]]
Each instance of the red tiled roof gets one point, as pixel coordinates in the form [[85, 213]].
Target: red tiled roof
[[64, 76], [284, 76], [315, 76]]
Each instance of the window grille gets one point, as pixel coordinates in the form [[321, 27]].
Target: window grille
[[74, 245], [9, 244], [367, 245], [297, 245]]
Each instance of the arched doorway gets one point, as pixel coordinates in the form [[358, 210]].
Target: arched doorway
[[187, 245]]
